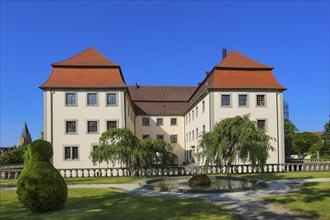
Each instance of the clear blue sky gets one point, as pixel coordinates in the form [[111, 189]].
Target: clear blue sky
[[163, 43]]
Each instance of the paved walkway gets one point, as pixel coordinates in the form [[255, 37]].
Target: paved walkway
[[246, 204]]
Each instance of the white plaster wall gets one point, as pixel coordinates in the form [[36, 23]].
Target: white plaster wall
[[167, 129], [194, 123], [81, 113], [272, 113]]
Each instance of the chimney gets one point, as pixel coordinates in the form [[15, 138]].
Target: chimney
[[137, 85], [199, 83], [224, 53], [207, 73]]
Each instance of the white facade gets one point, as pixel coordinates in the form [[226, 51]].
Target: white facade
[[75, 117]]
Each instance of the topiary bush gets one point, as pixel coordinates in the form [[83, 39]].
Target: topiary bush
[[41, 187]]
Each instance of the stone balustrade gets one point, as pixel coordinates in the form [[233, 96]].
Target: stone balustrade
[[178, 171]]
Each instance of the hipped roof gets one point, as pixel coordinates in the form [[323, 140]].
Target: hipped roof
[[88, 69]]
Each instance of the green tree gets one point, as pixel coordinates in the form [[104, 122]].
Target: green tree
[[237, 137], [325, 150], [303, 142], [13, 156], [120, 145], [289, 130], [155, 152]]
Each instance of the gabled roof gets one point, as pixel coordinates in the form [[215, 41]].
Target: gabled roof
[[89, 57], [160, 108], [238, 61]]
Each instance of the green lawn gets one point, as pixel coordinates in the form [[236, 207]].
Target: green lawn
[[281, 176], [312, 200], [106, 204], [92, 180]]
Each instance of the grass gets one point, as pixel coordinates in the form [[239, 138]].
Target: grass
[[92, 180], [282, 176], [106, 204], [312, 200]]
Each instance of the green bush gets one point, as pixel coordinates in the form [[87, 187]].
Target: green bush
[[41, 187]]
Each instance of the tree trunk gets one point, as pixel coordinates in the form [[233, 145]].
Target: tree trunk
[[137, 169]]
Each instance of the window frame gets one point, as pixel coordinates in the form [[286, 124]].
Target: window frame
[[72, 156], [265, 125], [96, 99], [76, 99], [247, 101], [107, 121], [265, 101], [66, 130], [116, 100], [159, 121], [221, 101], [97, 127], [145, 118], [158, 137], [174, 138], [176, 122], [145, 136]]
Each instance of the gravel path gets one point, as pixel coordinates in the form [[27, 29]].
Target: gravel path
[[246, 204]]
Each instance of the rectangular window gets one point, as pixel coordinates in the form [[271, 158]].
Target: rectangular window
[[196, 133], [173, 121], [196, 112], [261, 100], [193, 135], [71, 127], [186, 119], [203, 128], [189, 136], [174, 138], [225, 100], [145, 122], [261, 124], [145, 136], [71, 153], [159, 121], [91, 126], [203, 106], [242, 100], [70, 99], [111, 98], [189, 117], [91, 98], [95, 147], [111, 124], [160, 137], [193, 114]]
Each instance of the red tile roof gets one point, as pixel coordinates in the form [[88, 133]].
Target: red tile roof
[[89, 57], [88, 69], [245, 79], [237, 60], [84, 78]]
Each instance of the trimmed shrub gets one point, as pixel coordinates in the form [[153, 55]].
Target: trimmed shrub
[[41, 187]]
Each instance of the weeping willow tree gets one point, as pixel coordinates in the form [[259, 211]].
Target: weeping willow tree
[[237, 137], [120, 145], [155, 152]]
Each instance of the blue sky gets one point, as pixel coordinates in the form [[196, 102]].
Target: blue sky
[[163, 43]]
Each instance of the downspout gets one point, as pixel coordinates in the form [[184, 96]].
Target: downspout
[[277, 126], [51, 123]]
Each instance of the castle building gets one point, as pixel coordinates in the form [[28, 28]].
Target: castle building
[[25, 138], [86, 95]]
